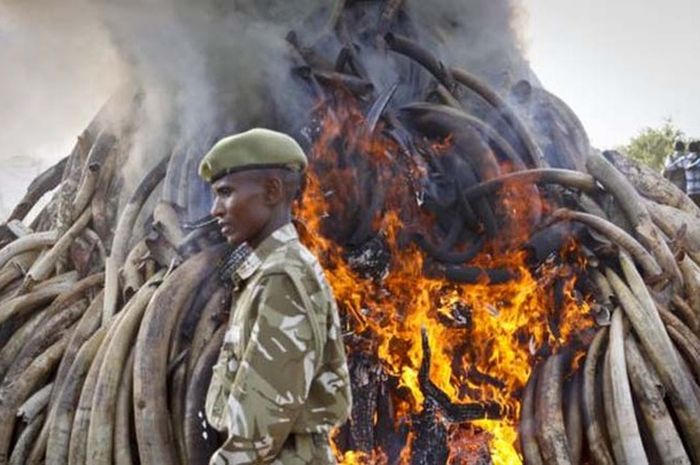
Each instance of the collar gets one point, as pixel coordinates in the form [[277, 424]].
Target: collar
[[255, 259]]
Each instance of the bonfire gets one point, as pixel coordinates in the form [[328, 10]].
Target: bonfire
[[509, 293]]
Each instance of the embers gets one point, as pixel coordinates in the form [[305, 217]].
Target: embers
[[371, 259]]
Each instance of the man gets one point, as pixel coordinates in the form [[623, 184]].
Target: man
[[281, 381], [674, 166], [692, 171]]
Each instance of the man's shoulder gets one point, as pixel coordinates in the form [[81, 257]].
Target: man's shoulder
[[294, 259], [289, 254]]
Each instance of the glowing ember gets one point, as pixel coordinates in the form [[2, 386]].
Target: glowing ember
[[503, 328]]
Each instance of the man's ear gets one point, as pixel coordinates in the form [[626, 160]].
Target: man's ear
[[274, 190]]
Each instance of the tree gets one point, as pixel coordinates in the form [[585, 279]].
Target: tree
[[652, 145]]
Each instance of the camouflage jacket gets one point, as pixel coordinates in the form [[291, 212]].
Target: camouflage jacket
[[282, 367]]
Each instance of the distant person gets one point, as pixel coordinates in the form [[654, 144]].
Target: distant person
[[692, 171], [674, 166]]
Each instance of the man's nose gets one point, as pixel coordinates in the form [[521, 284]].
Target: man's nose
[[216, 208]]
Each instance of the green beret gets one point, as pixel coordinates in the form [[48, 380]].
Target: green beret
[[254, 149]]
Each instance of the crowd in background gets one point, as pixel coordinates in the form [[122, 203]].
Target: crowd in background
[[682, 168]]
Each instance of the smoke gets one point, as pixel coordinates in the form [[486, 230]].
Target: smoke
[[203, 68], [483, 36], [58, 68]]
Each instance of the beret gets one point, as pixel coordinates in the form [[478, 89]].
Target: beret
[[257, 148]]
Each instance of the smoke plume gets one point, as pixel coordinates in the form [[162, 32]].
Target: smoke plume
[[202, 68]]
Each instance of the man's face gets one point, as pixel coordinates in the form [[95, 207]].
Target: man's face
[[241, 207]]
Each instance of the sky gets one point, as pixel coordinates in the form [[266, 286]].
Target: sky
[[621, 65]]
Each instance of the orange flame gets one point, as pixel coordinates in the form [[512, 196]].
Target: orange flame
[[488, 361]]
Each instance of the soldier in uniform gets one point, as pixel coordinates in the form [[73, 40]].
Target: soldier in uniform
[[281, 381]]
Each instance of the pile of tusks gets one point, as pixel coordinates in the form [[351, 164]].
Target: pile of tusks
[[112, 314]]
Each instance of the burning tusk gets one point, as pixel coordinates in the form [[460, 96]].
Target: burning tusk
[[528, 440], [568, 178], [488, 94], [425, 58], [551, 434], [616, 235]]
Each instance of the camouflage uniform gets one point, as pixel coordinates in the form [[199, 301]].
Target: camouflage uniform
[[281, 381]]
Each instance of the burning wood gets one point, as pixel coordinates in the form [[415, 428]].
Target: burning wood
[[467, 269]]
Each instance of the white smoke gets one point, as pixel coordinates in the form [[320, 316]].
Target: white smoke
[[205, 67], [57, 69]]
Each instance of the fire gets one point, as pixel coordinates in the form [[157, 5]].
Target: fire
[[505, 326]]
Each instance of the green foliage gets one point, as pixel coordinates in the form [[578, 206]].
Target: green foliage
[[652, 145]]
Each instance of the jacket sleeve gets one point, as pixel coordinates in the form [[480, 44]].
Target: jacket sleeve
[[273, 380]]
